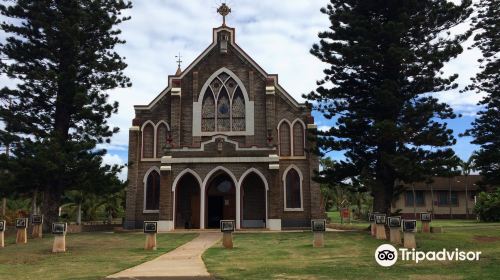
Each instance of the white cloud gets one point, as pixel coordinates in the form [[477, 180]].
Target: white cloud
[[113, 159]]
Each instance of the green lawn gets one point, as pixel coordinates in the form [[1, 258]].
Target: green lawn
[[350, 255], [88, 256], [336, 222]]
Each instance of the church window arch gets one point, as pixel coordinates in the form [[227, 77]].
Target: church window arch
[[152, 190]]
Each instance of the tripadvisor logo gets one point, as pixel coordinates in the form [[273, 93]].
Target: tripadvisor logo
[[387, 255]]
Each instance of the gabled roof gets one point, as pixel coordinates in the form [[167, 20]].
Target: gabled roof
[[204, 53]]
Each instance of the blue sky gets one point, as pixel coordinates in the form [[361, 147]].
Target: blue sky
[[277, 34]]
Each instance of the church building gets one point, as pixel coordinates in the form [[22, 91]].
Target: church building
[[222, 141]]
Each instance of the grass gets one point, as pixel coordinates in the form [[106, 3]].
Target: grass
[[336, 222], [350, 255], [88, 256]]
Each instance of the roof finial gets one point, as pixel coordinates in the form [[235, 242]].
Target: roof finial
[[179, 61], [224, 10]]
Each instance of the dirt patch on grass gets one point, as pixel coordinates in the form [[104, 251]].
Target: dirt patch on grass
[[486, 239]]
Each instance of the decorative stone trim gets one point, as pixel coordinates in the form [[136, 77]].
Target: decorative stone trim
[[175, 91], [166, 168], [270, 90], [274, 224], [274, 166], [135, 128], [312, 126], [166, 225], [170, 160]]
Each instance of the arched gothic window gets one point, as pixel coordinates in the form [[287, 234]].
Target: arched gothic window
[[298, 139], [152, 193], [285, 142], [148, 141], [223, 107], [293, 190], [161, 139]]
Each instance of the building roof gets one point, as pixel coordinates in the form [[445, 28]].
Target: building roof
[[458, 183]]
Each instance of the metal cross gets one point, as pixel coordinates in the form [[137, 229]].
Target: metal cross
[[179, 61], [224, 10]]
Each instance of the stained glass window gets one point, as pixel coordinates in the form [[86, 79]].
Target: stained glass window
[[223, 107], [238, 111], [223, 111], [148, 141], [208, 112]]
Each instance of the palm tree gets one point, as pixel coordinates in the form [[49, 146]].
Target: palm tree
[[468, 167]]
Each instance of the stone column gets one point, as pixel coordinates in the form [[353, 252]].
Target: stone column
[[165, 222], [134, 153], [275, 200]]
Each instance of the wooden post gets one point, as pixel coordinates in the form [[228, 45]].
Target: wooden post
[[21, 236], [37, 231], [380, 232], [409, 240], [319, 239], [150, 241], [59, 245], [395, 236], [2, 238], [373, 229], [426, 226], [227, 240]]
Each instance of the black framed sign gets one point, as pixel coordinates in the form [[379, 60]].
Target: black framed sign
[[409, 225], [21, 222], [394, 222], [37, 219], [371, 216], [150, 227], [59, 228], [425, 217], [380, 219], [227, 225], [318, 225], [2, 225]]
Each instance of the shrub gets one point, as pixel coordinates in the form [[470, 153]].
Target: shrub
[[488, 206]]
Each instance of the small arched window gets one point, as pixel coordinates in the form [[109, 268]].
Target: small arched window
[[223, 107], [152, 193], [148, 141], [161, 139], [293, 190], [284, 138], [298, 139]]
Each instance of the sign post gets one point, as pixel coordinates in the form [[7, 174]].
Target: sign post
[[37, 222], [409, 229], [59, 231], [2, 232], [227, 229], [150, 229], [318, 227], [394, 224], [380, 226], [21, 226], [426, 218]]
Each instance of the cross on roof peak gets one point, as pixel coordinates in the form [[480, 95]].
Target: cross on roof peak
[[224, 10]]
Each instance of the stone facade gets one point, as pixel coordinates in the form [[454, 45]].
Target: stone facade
[[236, 161]]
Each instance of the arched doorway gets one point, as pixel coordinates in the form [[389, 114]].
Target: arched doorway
[[253, 202], [220, 200], [187, 202]]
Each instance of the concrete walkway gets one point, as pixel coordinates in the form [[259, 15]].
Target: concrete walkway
[[182, 263]]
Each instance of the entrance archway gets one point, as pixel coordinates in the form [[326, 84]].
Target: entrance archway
[[220, 200], [187, 202], [253, 202]]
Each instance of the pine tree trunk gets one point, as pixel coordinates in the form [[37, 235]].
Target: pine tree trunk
[[4, 206], [34, 203], [51, 204], [79, 214]]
